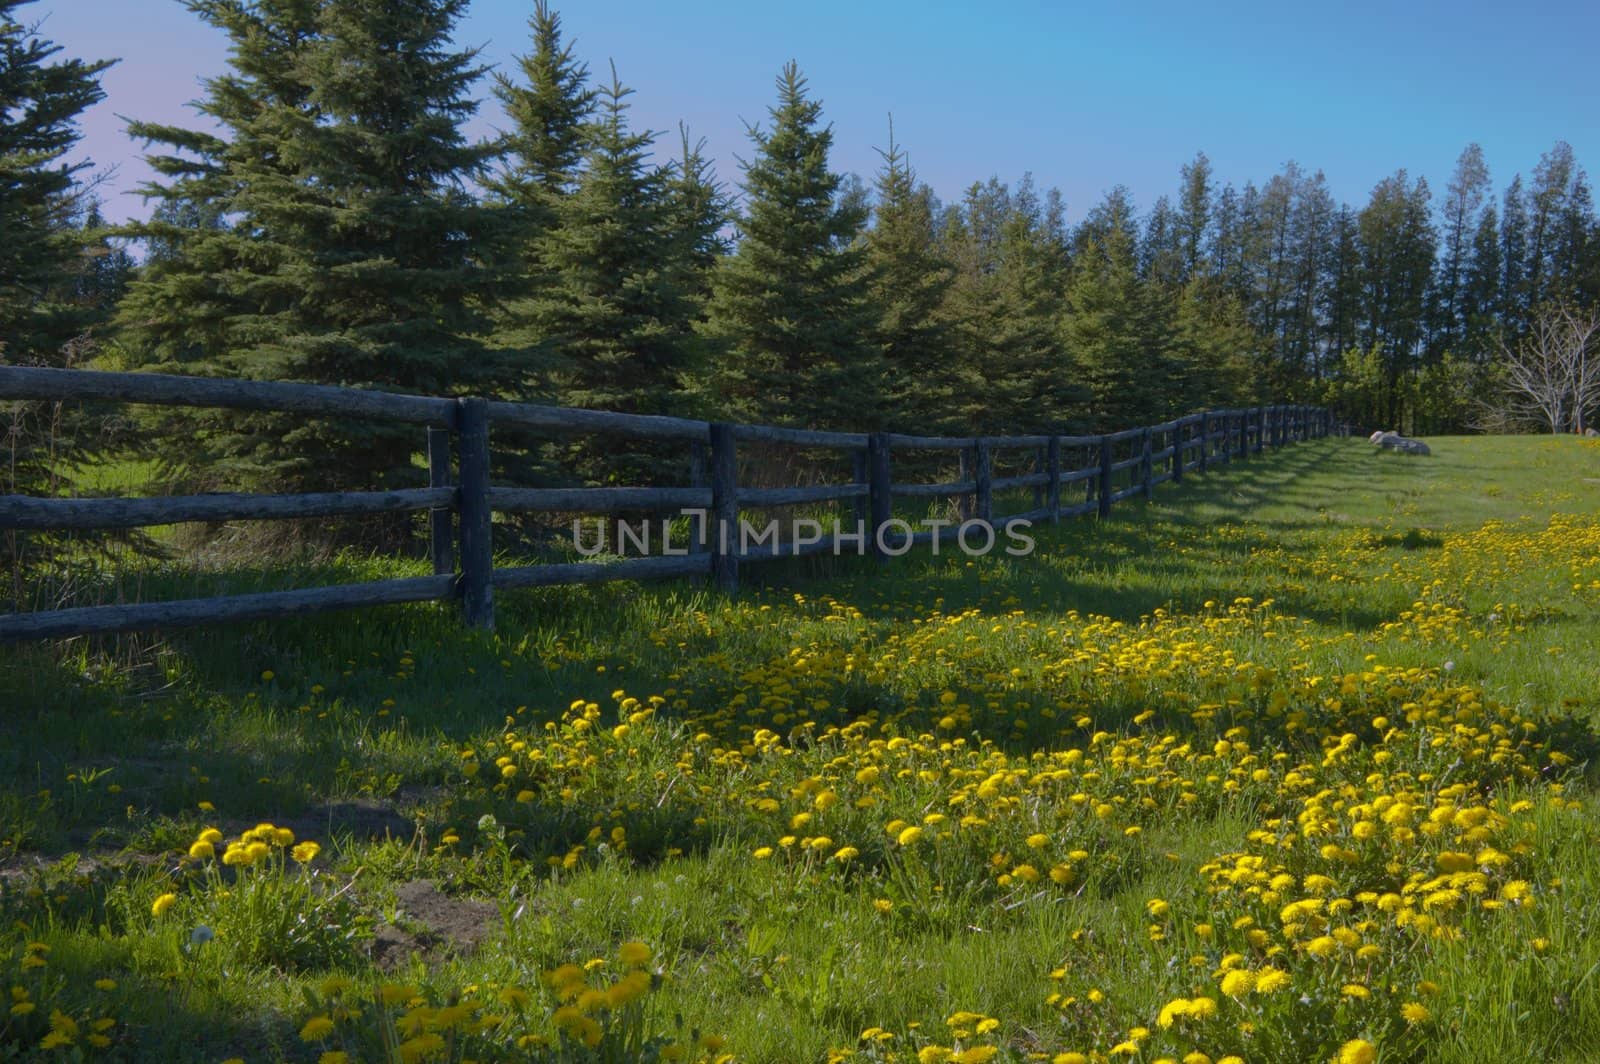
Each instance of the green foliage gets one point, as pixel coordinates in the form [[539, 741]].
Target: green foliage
[[345, 248], [910, 284], [789, 309]]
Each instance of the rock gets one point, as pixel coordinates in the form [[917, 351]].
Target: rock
[[1378, 436], [1394, 442], [1591, 432]]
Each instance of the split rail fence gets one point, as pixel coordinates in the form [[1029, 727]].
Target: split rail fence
[[1072, 476]]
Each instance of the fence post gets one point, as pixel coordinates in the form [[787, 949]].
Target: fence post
[[1105, 476], [477, 527], [1227, 437], [1145, 472], [860, 474], [1039, 490], [1258, 441], [983, 474], [698, 459], [1180, 429], [441, 546], [1052, 461], [880, 499], [1205, 437], [724, 508]]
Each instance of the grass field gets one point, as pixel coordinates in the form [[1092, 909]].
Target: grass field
[[1287, 766]]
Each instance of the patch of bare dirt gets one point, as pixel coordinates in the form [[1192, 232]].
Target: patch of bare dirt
[[436, 926]]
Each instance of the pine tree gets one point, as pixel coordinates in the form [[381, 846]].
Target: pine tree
[[1115, 333], [1398, 246], [54, 275], [910, 283], [549, 109], [1514, 291], [350, 251], [41, 202], [790, 305], [1464, 200], [1480, 303], [1195, 209], [617, 308], [699, 209], [1162, 253]]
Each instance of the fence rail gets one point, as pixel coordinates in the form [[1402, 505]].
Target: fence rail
[[461, 501]]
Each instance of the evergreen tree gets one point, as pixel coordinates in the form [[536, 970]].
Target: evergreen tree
[[549, 109], [55, 275], [699, 210], [1115, 334], [1212, 349], [1480, 304], [1162, 253], [1464, 200], [1398, 251], [1342, 294], [42, 252], [351, 252], [910, 282], [790, 305], [617, 309], [1514, 294], [1195, 209]]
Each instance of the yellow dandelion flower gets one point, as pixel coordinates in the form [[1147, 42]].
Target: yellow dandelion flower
[[316, 1029], [1357, 1051]]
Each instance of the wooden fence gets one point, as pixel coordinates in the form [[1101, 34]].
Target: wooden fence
[[1071, 475]]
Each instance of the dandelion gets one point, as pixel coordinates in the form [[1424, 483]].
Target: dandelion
[[1357, 1051], [164, 902], [316, 1029], [634, 953], [305, 852]]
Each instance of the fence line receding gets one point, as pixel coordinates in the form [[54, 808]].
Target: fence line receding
[[1070, 476]]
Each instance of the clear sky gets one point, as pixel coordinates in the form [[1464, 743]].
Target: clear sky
[[1085, 96]]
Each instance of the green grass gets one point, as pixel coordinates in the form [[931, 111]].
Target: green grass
[[1476, 568]]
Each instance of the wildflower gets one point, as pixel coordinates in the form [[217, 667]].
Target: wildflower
[[1238, 982], [316, 1029], [305, 852], [1357, 1051], [159, 907], [975, 1055], [1271, 980], [910, 836]]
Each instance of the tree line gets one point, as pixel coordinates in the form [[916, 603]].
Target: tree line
[[340, 226]]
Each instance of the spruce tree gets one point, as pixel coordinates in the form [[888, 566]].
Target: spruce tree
[[790, 305], [42, 252], [349, 250], [617, 308], [549, 109], [1115, 332], [1464, 199], [699, 209], [910, 283], [1195, 210], [55, 276], [1480, 303]]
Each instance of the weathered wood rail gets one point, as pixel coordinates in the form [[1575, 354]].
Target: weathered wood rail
[[1068, 475]]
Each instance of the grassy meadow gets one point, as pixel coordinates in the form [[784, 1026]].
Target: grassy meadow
[[1289, 765]]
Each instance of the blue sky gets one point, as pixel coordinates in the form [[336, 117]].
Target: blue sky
[[1083, 96]]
